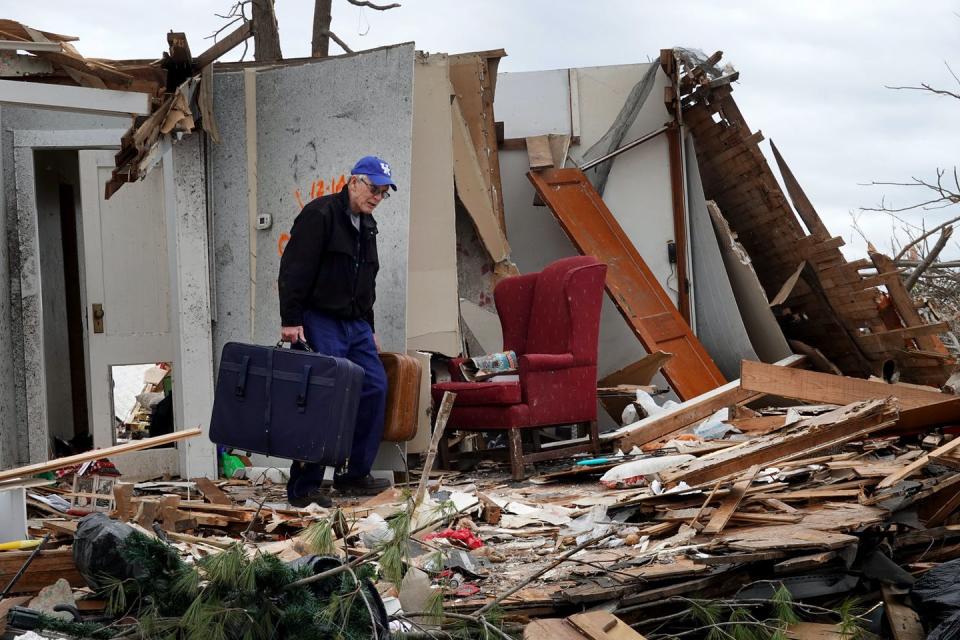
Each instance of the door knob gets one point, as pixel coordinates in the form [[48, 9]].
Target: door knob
[[98, 318]]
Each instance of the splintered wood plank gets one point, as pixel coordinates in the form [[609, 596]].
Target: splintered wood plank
[[600, 625], [895, 338], [96, 454], [918, 464], [815, 631], [212, 492], [904, 621], [47, 567], [539, 155], [636, 292], [826, 388], [784, 537], [731, 502], [808, 436], [689, 411], [551, 629], [904, 304], [805, 562]]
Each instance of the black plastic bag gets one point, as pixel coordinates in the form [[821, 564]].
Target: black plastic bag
[[96, 551]]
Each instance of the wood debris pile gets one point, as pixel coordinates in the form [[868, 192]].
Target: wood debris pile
[[839, 487], [172, 84]]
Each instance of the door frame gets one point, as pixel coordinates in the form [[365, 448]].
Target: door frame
[[187, 249]]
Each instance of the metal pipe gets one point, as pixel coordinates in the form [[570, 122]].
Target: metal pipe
[[23, 569], [626, 147]]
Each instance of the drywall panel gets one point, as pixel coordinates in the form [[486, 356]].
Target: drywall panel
[[549, 112], [719, 325], [228, 202], [638, 190], [432, 314], [312, 122]]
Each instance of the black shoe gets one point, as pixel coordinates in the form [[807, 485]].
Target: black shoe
[[321, 499], [365, 486]]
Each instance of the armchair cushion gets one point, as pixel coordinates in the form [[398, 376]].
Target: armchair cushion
[[479, 393]]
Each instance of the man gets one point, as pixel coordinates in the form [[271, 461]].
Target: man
[[327, 286]]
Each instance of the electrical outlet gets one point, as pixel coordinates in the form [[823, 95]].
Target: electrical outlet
[[672, 251], [264, 221]]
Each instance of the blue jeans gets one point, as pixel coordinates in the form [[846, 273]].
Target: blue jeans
[[353, 340]]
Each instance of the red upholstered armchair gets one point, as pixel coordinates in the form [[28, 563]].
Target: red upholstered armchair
[[551, 319]]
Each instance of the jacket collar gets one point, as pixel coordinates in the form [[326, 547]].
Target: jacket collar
[[343, 199]]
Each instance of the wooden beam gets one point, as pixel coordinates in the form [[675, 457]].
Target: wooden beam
[[689, 412], [96, 454], [826, 388], [212, 492], [234, 39], [58, 96], [895, 338]]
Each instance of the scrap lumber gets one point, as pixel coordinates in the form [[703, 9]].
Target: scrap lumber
[[831, 305], [808, 436], [47, 567], [728, 506], [97, 454], [904, 621], [689, 412], [918, 464], [827, 388], [600, 625], [539, 155], [631, 285], [212, 492], [903, 302], [640, 373]]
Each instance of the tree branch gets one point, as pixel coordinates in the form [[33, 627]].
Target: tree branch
[[923, 237], [378, 7], [333, 36], [923, 87], [929, 258]]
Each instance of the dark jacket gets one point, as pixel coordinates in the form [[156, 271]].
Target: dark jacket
[[327, 264]]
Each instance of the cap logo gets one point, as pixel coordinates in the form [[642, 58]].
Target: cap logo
[[385, 167]]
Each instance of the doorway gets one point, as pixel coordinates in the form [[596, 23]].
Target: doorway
[[59, 231]]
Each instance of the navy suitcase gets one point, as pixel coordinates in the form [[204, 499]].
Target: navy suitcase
[[286, 403]]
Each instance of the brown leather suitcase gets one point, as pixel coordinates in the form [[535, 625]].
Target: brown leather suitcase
[[403, 396]]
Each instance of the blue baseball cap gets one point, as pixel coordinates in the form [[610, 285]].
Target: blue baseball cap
[[377, 170]]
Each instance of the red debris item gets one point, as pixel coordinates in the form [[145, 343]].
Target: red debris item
[[467, 590], [463, 536]]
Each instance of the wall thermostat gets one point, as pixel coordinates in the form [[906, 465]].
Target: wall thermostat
[[264, 221]]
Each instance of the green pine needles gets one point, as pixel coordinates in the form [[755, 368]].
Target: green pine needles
[[227, 596]]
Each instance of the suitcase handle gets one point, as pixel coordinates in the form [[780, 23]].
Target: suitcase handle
[[300, 343], [241, 388], [304, 386]]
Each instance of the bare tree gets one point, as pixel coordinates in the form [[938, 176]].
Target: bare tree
[[322, 17], [266, 33]]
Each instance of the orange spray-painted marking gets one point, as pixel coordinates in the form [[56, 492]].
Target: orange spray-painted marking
[[282, 243]]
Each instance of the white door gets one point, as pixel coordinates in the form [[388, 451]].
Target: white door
[[127, 280]]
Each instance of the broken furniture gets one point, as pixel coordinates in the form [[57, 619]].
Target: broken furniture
[[551, 319]]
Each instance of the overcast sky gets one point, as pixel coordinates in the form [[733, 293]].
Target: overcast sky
[[812, 74]]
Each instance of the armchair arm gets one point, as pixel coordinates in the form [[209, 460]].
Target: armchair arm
[[532, 362], [453, 366]]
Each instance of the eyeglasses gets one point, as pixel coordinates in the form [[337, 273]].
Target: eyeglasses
[[384, 192]]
